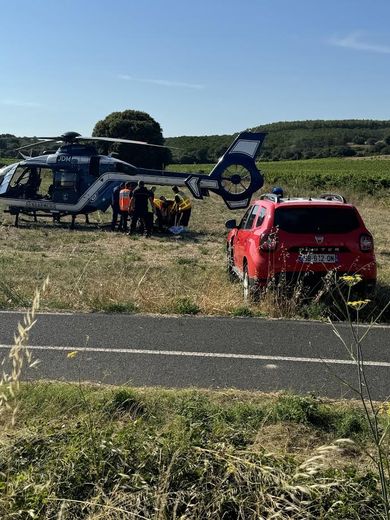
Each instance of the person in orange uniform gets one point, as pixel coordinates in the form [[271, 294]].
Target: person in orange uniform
[[124, 205]]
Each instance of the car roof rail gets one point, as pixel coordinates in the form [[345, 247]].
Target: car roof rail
[[333, 196], [271, 196]]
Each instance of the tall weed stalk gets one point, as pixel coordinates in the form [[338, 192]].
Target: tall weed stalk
[[362, 389], [19, 358]]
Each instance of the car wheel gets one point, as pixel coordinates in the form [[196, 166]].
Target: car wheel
[[230, 263], [250, 289], [246, 286]]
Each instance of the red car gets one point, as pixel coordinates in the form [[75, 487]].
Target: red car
[[300, 239]]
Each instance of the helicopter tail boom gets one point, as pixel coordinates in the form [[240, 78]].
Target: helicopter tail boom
[[83, 182]]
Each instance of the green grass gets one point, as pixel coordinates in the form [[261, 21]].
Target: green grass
[[185, 306], [80, 451], [5, 161], [368, 176], [243, 311]]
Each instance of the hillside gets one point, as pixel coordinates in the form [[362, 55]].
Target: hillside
[[295, 140], [285, 141]]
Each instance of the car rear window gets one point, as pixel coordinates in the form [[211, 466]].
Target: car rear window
[[316, 219]]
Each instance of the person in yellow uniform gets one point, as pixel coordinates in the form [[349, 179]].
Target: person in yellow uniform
[[183, 207], [163, 210]]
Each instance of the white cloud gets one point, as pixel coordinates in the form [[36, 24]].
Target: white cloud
[[21, 104], [163, 82], [355, 41]]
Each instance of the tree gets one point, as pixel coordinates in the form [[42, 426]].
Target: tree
[[138, 126], [358, 139], [378, 147], [343, 151], [202, 156], [188, 158]]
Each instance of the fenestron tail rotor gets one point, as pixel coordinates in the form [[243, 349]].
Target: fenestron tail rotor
[[236, 179]]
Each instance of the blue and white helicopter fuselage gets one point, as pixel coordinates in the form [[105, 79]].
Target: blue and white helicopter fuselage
[[77, 180]]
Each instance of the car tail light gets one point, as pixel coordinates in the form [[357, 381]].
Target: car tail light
[[366, 243], [268, 242]]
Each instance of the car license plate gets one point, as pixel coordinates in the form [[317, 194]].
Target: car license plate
[[317, 258]]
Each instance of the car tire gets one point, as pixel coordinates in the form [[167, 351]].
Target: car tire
[[250, 290]]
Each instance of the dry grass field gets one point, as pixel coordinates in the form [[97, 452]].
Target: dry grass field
[[92, 269]]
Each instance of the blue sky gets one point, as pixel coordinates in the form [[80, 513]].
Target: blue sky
[[199, 68]]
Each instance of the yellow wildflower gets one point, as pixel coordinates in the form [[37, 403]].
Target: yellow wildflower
[[358, 304], [351, 280], [384, 409]]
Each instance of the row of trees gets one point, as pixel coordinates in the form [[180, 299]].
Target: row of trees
[[285, 140]]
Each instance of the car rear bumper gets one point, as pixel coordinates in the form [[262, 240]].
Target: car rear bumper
[[266, 266]]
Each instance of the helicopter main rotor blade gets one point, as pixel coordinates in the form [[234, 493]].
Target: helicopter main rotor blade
[[34, 144], [115, 140], [52, 138]]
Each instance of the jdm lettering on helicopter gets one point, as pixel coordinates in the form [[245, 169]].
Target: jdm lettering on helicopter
[[76, 179], [66, 158]]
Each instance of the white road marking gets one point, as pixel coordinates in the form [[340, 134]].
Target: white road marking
[[218, 355]]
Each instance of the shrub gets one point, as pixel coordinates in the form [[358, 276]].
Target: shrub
[[186, 306], [242, 311], [306, 410], [126, 400]]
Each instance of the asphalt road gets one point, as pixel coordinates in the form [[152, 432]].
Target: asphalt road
[[207, 352]]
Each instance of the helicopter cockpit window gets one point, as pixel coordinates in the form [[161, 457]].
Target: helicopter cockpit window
[[31, 182], [25, 182], [20, 177]]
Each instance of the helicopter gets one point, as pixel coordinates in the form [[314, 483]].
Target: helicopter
[[76, 180]]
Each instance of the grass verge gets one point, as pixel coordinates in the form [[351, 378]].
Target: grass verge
[[97, 452]]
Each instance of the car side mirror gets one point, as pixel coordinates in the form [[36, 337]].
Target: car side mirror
[[231, 224]]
